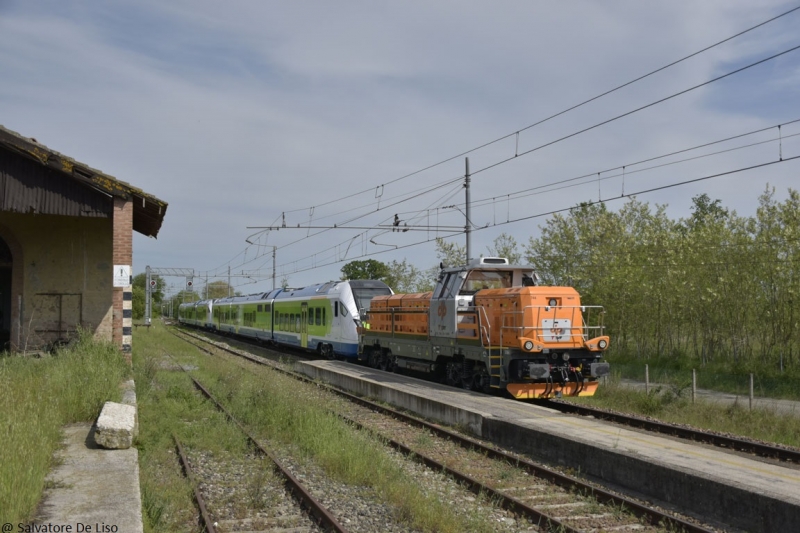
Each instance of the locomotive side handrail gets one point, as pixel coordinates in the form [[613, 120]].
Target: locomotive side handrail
[[537, 331]]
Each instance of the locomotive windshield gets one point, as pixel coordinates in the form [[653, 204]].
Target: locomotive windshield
[[486, 279]]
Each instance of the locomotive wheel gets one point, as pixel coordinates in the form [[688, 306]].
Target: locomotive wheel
[[481, 381], [387, 362], [453, 374], [373, 359]]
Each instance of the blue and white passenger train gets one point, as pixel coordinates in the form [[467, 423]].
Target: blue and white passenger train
[[321, 318]]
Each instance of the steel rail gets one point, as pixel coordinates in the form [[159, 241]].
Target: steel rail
[[205, 519], [722, 441], [697, 435], [653, 516], [323, 517], [506, 502]]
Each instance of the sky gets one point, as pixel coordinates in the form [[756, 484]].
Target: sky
[[244, 115]]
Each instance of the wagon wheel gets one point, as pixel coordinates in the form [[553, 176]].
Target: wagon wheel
[[327, 351]]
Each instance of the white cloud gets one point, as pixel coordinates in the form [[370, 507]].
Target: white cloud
[[236, 112]]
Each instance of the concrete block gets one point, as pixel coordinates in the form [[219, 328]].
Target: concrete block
[[116, 426], [129, 392]]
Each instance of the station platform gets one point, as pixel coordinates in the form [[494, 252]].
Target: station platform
[[92, 489], [731, 488]]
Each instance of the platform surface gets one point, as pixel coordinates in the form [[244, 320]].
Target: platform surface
[[92, 486], [728, 468]]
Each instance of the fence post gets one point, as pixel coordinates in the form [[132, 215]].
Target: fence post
[[751, 391], [694, 384], [646, 379]]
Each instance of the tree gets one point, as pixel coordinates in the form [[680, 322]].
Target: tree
[[140, 295], [137, 305], [369, 269], [505, 246], [217, 289], [157, 291], [450, 253], [405, 278]]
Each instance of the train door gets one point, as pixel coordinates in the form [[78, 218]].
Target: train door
[[304, 324]]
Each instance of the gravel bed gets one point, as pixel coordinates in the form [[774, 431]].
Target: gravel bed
[[361, 510], [500, 477], [243, 494], [575, 510]]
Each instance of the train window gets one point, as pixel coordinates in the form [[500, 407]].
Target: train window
[[318, 316], [444, 286], [267, 308], [259, 308], [310, 313], [291, 322], [323, 316], [297, 325], [335, 308], [344, 310]]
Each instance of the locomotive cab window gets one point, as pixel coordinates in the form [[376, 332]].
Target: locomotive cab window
[[485, 279], [344, 310]]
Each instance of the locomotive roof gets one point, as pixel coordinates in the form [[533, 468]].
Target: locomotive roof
[[488, 263]]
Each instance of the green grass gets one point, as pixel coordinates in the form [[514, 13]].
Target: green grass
[[716, 376], [39, 396], [168, 403], [279, 410], [673, 403]]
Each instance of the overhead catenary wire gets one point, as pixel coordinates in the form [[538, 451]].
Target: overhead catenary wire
[[566, 209], [530, 191], [517, 154], [641, 108], [567, 110], [510, 221]]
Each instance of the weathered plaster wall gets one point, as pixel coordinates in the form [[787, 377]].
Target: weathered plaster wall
[[62, 269]]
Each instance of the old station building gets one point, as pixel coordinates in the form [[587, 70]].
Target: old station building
[[66, 247]]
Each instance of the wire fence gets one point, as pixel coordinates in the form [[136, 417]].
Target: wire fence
[[738, 383]]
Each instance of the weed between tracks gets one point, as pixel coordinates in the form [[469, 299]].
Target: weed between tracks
[[39, 396], [276, 409]]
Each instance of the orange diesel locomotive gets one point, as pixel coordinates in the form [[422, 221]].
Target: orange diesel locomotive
[[488, 327]]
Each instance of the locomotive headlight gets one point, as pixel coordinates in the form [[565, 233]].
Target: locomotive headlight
[[528, 345], [553, 302], [602, 344], [565, 357]]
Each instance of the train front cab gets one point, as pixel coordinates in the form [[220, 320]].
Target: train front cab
[[545, 342]]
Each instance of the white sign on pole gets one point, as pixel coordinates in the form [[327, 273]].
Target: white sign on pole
[[122, 275]]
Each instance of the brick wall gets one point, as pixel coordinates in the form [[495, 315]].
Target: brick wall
[[122, 255]]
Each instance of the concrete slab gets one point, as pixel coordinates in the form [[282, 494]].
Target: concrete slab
[[745, 493], [92, 490]]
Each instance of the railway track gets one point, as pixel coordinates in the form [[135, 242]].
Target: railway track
[[729, 442], [318, 512], [723, 441], [547, 498]]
